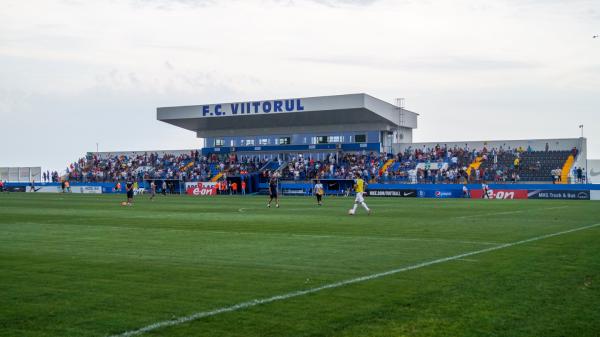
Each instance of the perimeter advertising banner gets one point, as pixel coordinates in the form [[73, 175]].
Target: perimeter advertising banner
[[392, 193], [500, 194], [440, 194], [558, 194], [595, 195], [86, 189], [201, 188], [15, 188], [594, 171], [46, 189]]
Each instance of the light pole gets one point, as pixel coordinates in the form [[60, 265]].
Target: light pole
[[581, 127]]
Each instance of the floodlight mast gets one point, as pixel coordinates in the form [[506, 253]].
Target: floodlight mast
[[400, 105]]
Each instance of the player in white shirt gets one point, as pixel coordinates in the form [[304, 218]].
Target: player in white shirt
[[486, 190], [319, 192], [465, 191]]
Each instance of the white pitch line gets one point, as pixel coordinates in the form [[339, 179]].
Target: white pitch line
[[352, 237], [259, 301], [509, 212]]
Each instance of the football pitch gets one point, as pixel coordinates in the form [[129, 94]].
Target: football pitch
[[83, 265]]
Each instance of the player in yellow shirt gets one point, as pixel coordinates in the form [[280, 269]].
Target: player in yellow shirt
[[359, 188]]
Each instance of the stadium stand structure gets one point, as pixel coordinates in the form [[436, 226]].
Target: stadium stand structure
[[328, 137], [431, 165]]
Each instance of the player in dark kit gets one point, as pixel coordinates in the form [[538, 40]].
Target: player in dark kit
[[129, 189], [273, 191]]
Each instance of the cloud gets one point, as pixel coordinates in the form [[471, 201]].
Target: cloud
[[335, 3], [450, 63], [169, 4]]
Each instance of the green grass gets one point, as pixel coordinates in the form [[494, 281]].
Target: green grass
[[82, 265]]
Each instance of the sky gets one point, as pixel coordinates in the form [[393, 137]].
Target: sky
[[75, 74]]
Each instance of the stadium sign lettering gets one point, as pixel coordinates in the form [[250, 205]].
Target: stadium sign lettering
[[251, 108], [201, 188], [500, 194]]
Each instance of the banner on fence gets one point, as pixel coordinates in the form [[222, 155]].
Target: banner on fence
[[402, 193], [201, 188], [440, 194], [45, 189], [559, 194], [500, 194], [86, 189]]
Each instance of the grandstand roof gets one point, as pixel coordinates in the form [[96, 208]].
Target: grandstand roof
[[293, 115]]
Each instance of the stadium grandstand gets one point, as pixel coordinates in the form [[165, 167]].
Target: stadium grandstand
[[328, 137]]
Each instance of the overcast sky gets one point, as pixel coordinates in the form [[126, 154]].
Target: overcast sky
[[75, 73]]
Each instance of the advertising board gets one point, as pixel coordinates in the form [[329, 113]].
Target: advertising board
[[593, 171], [45, 189], [559, 194], [15, 188], [86, 189], [439, 194], [201, 188], [500, 194], [402, 193]]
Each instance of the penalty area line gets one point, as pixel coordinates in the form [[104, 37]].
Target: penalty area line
[[259, 301]]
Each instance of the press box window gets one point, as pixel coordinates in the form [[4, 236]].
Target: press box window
[[322, 140], [285, 140], [360, 138], [219, 142], [263, 141]]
